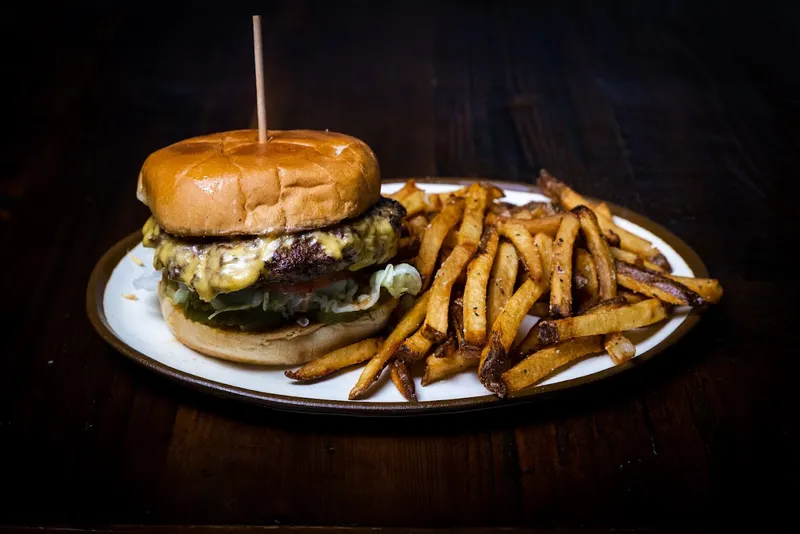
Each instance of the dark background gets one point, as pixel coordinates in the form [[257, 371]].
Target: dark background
[[685, 111]]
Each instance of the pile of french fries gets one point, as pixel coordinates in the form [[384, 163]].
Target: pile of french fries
[[486, 264]]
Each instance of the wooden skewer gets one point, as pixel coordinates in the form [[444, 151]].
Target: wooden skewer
[[259, 59]]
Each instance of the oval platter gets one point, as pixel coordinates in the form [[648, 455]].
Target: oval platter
[[135, 328]]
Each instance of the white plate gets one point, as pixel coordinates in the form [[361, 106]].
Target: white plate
[[137, 328]]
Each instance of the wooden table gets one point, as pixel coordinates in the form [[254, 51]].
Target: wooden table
[[685, 111]]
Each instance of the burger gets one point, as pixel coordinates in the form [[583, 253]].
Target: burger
[[272, 253]]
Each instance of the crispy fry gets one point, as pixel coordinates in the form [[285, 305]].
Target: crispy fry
[[501, 280], [449, 362], [587, 293], [417, 225], [435, 326], [544, 245], [523, 242], [457, 320], [408, 188], [414, 203], [602, 209], [656, 285], [544, 225], [414, 348], [401, 376], [708, 288], [544, 362], [569, 199], [407, 326], [492, 193], [604, 322], [494, 356], [629, 296], [472, 223], [619, 347], [474, 303], [558, 190], [634, 259], [561, 281], [604, 262], [358, 352], [532, 341], [433, 238], [610, 304], [634, 243]]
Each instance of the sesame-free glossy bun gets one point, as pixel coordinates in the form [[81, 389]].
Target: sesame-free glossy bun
[[230, 184], [290, 345]]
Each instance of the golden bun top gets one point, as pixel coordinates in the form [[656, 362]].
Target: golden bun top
[[230, 184]]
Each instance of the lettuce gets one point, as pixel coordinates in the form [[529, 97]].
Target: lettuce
[[344, 296]]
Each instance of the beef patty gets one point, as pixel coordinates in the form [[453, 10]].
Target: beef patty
[[214, 266]]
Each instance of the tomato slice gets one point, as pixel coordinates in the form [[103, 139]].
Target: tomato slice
[[311, 285]]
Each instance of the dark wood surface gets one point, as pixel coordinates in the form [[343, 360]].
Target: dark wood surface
[[684, 111]]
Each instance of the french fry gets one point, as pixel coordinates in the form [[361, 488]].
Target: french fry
[[457, 320], [544, 245], [472, 224], [492, 193], [494, 356], [629, 296], [414, 348], [610, 304], [501, 280], [501, 209], [401, 377], [634, 259], [532, 341], [602, 209], [656, 285], [337, 359], [417, 225], [435, 327], [544, 362], [544, 225], [561, 281], [604, 262], [621, 319], [708, 288], [558, 190], [449, 362], [523, 242], [474, 303], [587, 293], [635, 244], [619, 347], [408, 325], [433, 238], [408, 188], [414, 203], [569, 199]]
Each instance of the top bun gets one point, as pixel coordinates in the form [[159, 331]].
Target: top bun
[[229, 184]]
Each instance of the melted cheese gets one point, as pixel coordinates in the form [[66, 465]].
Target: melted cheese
[[224, 266]]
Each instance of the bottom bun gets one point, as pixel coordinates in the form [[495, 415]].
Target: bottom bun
[[289, 345]]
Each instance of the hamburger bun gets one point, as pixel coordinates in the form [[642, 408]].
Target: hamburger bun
[[289, 345], [229, 184]]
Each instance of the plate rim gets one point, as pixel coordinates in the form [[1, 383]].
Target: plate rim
[[104, 267]]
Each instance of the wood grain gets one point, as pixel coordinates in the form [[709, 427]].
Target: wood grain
[[684, 111]]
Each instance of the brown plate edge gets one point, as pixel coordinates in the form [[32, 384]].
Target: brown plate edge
[[105, 266]]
